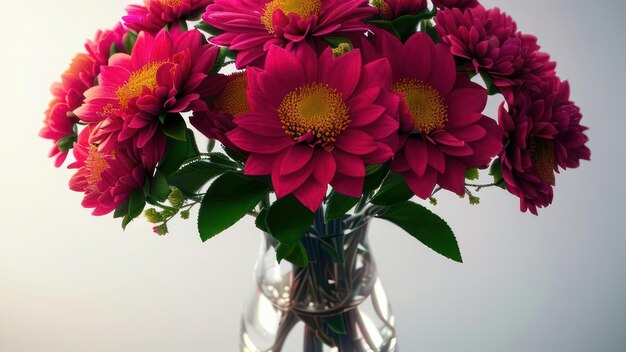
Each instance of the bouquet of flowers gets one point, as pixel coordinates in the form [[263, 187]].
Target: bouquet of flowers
[[333, 112]]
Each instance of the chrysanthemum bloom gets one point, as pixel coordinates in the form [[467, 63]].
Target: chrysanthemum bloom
[[544, 133], [166, 74], [459, 4], [251, 27], [100, 48], [489, 42], [231, 102], [317, 121], [106, 178], [68, 95], [156, 14], [390, 9], [443, 129]]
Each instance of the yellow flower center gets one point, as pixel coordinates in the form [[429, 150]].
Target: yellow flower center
[[543, 157], [145, 77], [95, 164], [314, 108], [427, 107], [233, 100], [172, 3], [303, 8]]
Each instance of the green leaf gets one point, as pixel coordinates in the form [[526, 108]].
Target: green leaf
[[177, 152], [203, 26], [121, 211], [386, 25], [174, 127], [136, 204], [496, 171], [159, 187], [210, 146], [472, 174], [295, 253], [220, 60], [66, 143], [492, 89], [261, 221], [336, 323], [374, 177], [338, 206], [193, 176], [228, 200], [394, 190], [425, 226], [129, 40], [288, 220], [336, 41]]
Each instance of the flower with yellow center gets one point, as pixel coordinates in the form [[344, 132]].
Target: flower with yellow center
[[427, 107], [314, 108], [145, 77], [171, 3], [95, 165], [233, 100], [544, 159], [303, 8]]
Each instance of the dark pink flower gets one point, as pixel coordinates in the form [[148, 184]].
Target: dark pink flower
[[60, 122], [104, 43], [443, 129], [544, 133], [168, 74], [460, 4], [317, 120], [107, 178], [232, 101], [488, 41], [156, 14], [390, 9], [251, 27]]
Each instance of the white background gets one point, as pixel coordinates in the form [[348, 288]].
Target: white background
[[70, 282]]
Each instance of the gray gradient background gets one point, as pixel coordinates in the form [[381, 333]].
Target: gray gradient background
[[72, 283]]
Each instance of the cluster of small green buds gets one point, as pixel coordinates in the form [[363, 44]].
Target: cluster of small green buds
[[342, 48], [153, 216], [161, 230], [176, 198], [184, 214], [433, 201], [473, 200]]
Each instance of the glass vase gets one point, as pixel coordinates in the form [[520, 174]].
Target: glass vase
[[335, 304]]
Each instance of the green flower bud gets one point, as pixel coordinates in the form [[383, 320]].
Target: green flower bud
[[176, 198], [343, 48], [161, 230], [153, 216], [184, 214]]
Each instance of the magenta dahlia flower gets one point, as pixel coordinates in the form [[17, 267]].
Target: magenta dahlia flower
[[231, 102], [544, 133], [317, 120], [60, 122], [459, 4], [106, 178], [488, 41], [105, 40], [390, 9], [168, 73], [156, 14], [251, 27], [443, 129]]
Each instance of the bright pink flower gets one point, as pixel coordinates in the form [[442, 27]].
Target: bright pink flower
[[317, 120], [68, 95], [390, 9], [166, 74], [106, 178], [544, 133], [460, 4], [156, 14], [251, 27], [488, 41], [444, 131], [104, 43], [230, 102]]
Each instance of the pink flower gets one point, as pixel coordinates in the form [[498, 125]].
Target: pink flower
[[317, 120], [232, 101], [106, 178], [390, 9], [156, 14], [460, 4], [60, 122], [104, 43], [488, 41], [544, 133], [251, 27], [443, 129], [165, 75]]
